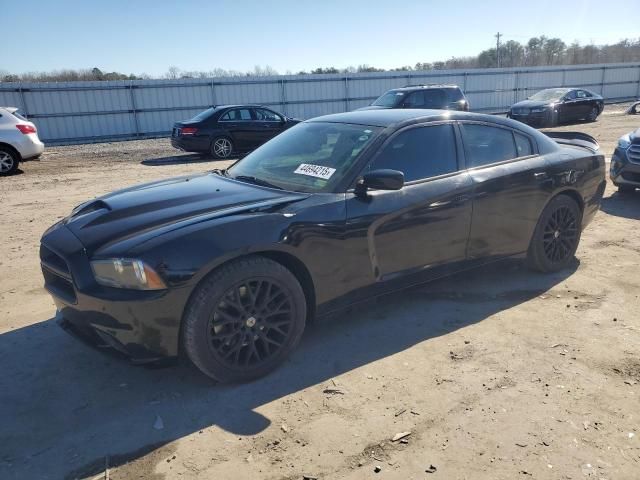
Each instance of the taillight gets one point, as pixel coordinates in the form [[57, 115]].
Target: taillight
[[26, 128], [188, 130]]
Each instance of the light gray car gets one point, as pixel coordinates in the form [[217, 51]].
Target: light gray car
[[18, 140]]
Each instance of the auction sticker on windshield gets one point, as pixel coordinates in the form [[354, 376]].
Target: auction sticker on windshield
[[315, 171]]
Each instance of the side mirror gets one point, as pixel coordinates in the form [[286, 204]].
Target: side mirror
[[383, 179]]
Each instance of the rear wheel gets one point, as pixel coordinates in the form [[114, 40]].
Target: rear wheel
[[8, 161], [244, 320], [556, 237], [221, 147]]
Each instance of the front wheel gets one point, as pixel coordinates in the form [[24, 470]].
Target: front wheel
[[244, 320], [8, 161], [593, 114], [221, 147], [556, 237]]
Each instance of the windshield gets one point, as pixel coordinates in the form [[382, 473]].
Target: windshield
[[549, 94], [203, 115], [389, 99], [310, 157]]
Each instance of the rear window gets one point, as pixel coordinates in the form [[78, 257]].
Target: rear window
[[19, 117], [433, 98], [204, 115]]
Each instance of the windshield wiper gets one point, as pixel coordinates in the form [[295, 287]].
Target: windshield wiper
[[256, 181]]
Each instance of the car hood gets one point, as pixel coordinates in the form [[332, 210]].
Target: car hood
[[145, 210], [530, 104]]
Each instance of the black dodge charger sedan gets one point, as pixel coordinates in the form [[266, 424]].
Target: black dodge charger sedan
[[227, 267], [558, 105], [227, 130], [625, 163]]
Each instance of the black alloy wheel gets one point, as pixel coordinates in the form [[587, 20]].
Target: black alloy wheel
[[244, 319], [560, 234], [593, 114], [557, 235], [251, 323]]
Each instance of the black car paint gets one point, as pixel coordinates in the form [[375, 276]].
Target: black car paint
[[625, 162], [343, 246], [245, 134], [563, 111]]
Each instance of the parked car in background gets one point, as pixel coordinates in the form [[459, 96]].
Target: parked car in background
[[18, 140], [443, 97], [227, 130], [552, 106], [625, 163], [228, 266]]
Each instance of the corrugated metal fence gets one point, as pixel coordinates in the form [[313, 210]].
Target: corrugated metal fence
[[75, 112]]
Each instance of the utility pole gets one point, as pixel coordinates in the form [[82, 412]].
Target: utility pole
[[498, 35]]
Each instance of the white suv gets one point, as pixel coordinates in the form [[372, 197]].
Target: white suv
[[18, 140]]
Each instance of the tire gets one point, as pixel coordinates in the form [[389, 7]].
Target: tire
[[9, 161], [593, 114], [244, 319], [221, 148], [626, 188], [556, 236]]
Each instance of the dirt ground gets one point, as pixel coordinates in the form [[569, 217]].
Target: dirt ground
[[496, 374]]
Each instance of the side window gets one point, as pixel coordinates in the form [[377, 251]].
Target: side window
[[435, 98], [485, 145], [236, 115], [571, 95], [414, 100], [523, 145], [420, 153], [581, 94], [267, 115]]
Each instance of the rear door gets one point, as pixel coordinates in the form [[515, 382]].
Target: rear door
[[242, 127], [510, 188], [426, 223], [269, 124]]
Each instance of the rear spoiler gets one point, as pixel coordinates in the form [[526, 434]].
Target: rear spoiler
[[576, 139]]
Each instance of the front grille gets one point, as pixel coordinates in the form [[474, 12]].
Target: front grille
[[53, 261], [57, 276], [634, 153]]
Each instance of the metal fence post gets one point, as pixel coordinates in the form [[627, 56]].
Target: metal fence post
[[133, 108], [564, 77], [638, 91], [516, 85], [23, 99], [604, 69], [346, 94], [283, 96], [213, 92]]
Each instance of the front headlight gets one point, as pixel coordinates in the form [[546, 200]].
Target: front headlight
[[126, 273], [624, 142]]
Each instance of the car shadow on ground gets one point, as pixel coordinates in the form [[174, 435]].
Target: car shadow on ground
[[625, 205], [65, 406], [178, 160]]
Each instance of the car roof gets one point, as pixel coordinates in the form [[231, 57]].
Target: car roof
[[387, 117], [419, 86]]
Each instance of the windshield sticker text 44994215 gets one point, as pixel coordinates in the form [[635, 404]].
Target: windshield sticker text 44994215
[[315, 171]]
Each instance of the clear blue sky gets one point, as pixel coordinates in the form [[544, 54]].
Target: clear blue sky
[[137, 36]]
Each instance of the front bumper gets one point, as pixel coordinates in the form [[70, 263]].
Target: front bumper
[[623, 170], [539, 119], [142, 325]]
